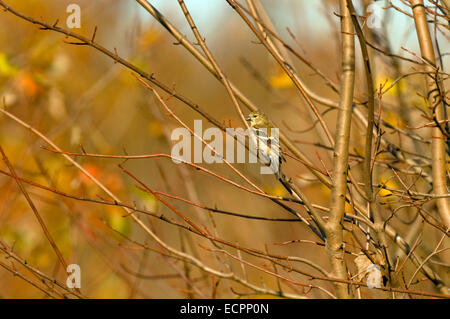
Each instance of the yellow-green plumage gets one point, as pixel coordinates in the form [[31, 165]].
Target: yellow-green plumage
[[262, 129]]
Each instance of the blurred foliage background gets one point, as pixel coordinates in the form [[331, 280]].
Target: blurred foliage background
[[77, 96]]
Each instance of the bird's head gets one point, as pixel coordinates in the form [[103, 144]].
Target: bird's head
[[258, 120]]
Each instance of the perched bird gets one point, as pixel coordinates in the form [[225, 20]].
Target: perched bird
[[266, 141], [268, 149]]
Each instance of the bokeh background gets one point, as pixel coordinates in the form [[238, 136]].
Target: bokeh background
[[78, 96]]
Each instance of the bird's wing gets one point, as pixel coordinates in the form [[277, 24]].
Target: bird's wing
[[269, 146]]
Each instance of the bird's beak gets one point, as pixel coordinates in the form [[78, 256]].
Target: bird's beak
[[247, 118]]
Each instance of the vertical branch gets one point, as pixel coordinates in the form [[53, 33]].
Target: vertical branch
[[436, 108], [334, 229], [367, 171], [367, 164]]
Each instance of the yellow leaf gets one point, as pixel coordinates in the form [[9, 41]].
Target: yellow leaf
[[385, 83], [281, 81], [325, 191], [145, 199], [111, 287], [155, 128], [275, 191], [43, 260], [150, 37], [348, 208], [393, 119], [6, 67], [117, 221], [389, 182]]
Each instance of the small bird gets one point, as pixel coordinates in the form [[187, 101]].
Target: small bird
[[269, 152], [267, 143]]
